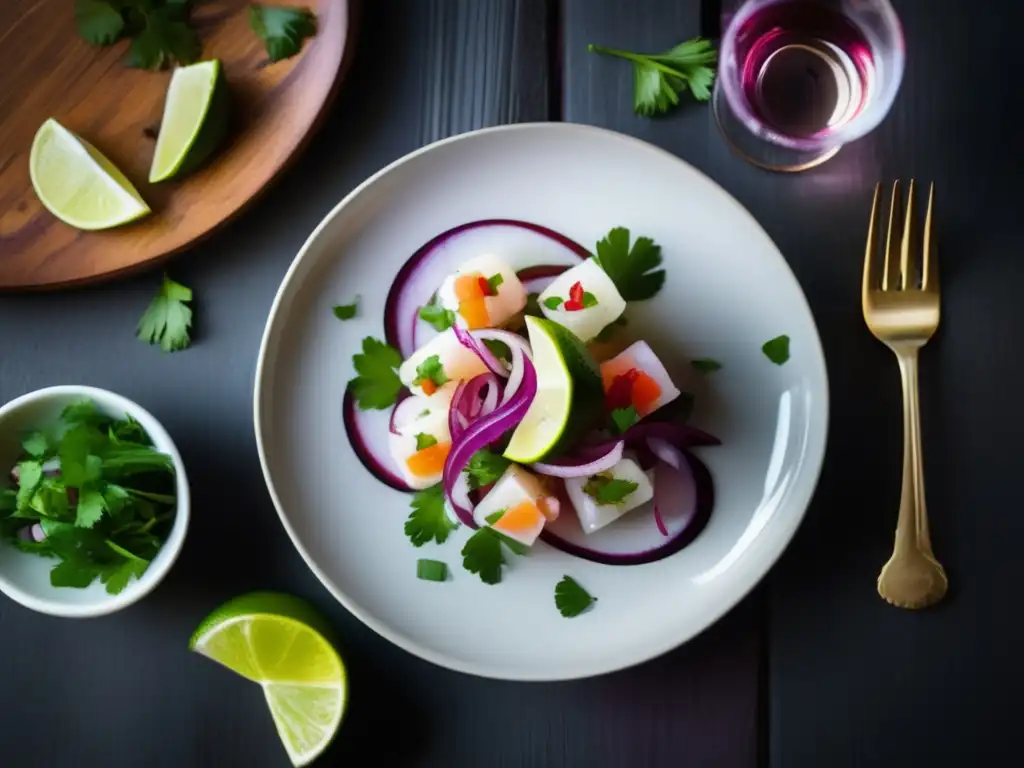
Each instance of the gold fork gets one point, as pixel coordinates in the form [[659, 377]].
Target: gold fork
[[901, 308]]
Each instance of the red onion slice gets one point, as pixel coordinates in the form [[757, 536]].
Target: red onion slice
[[466, 339], [406, 411], [484, 431], [368, 434], [567, 468]]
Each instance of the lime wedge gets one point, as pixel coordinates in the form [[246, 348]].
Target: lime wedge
[[195, 120], [569, 396], [79, 185], [279, 642]]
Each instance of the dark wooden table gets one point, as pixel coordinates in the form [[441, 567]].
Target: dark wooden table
[[813, 669]]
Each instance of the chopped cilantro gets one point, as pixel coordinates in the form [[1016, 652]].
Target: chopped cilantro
[[347, 311], [485, 467], [493, 282], [431, 370], [605, 489], [282, 29], [442, 319], [571, 599], [624, 418], [498, 348], [424, 441], [552, 302], [167, 319], [428, 520], [705, 365], [777, 349], [632, 269], [494, 517], [589, 300], [377, 384]]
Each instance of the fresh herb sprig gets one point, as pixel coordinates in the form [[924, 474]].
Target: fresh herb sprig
[[92, 493], [168, 318], [571, 599], [659, 78], [633, 268]]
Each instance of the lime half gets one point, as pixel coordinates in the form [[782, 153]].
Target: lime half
[[79, 185], [569, 396], [279, 642], [195, 120]]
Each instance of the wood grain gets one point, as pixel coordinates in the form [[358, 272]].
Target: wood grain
[[49, 71]]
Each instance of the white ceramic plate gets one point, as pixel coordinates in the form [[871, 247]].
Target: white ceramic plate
[[728, 291]]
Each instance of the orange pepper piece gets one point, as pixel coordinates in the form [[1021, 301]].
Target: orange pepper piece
[[522, 516], [428, 386], [429, 461], [474, 312], [645, 393], [467, 287]]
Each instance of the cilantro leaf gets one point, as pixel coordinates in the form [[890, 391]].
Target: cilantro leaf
[[515, 547], [485, 467], [36, 444], [632, 269], [705, 365], [83, 411], [658, 79], [117, 578], [167, 319], [624, 418], [347, 311], [89, 509], [30, 475], [777, 349], [493, 282], [77, 572], [424, 441], [605, 489], [482, 555], [494, 517], [98, 21], [431, 370], [442, 319], [377, 384], [281, 29], [431, 570], [429, 519], [589, 300], [571, 599], [163, 40], [552, 302]]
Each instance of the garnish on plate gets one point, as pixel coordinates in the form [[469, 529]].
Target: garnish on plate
[[605, 489], [777, 349], [377, 384], [485, 467], [431, 570], [482, 554], [430, 375], [624, 418], [659, 78], [634, 270], [428, 520], [168, 318], [705, 365], [442, 319], [347, 311], [571, 599], [94, 494]]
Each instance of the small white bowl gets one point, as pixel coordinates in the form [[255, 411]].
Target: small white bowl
[[24, 577]]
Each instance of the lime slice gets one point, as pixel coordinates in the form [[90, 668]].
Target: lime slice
[[79, 185], [569, 394], [279, 642], [195, 120]]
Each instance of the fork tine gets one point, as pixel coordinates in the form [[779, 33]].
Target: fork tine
[[890, 272], [930, 275], [870, 279], [908, 257]]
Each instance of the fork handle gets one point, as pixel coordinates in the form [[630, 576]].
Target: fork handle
[[912, 525]]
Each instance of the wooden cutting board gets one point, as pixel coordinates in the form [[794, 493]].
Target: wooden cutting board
[[47, 70]]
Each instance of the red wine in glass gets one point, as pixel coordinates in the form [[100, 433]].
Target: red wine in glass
[[800, 77]]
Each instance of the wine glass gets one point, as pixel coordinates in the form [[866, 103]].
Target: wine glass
[[798, 79]]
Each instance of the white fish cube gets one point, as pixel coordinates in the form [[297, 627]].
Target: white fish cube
[[510, 298], [594, 516], [403, 447], [458, 362], [639, 356], [512, 489], [585, 323]]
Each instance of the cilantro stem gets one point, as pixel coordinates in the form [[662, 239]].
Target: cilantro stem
[[638, 58], [160, 498], [154, 520], [125, 552]]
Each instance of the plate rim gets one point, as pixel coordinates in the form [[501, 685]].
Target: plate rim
[[409, 644]]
